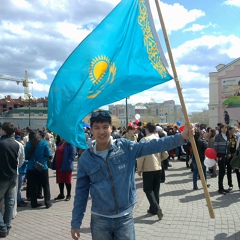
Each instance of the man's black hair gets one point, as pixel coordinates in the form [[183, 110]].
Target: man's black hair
[[100, 119], [8, 127], [151, 127]]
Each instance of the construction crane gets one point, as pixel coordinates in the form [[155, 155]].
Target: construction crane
[[24, 82]]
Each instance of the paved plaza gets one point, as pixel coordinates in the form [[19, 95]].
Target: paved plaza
[[185, 212]]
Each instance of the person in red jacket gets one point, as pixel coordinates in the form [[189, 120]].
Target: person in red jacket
[[63, 164]]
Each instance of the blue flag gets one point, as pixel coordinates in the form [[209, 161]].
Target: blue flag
[[121, 57]]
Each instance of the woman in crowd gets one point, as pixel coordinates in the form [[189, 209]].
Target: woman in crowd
[[201, 147], [63, 164], [232, 150], [130, 134], [37, 150], [211, 138], [51, 142], [222, 147]]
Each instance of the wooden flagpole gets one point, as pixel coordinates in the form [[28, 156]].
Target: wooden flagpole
[[179, 89]]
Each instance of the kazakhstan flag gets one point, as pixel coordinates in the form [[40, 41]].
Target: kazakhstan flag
[[121, 57]]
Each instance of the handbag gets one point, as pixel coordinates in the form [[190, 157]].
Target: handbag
[[235, 161], [164, 155], [38, 166], [49, 162]]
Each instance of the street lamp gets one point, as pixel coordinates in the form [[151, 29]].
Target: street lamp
[[29, 95], [166, 116], [126, 112]]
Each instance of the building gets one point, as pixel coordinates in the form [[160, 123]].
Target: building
[[35, 117], [8, 103], [119, 111], [166, 112], [33, 112], [224, 93]]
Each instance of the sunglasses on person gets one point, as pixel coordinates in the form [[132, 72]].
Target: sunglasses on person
[[102, 113]]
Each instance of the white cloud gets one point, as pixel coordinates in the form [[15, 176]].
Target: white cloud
[[39, 38], [175, 16], [114, 2], [228, 45], [195, 28], [72, 31], [59, 5], [21, 3], [198, 27], [53, 72], [41, 75], [232, 2], [13, 28]]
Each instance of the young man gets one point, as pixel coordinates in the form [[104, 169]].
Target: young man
[[9, 149], [150, 168], [106, 170]]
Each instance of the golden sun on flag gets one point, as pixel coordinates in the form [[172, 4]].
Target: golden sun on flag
[[102, 73], [98, 68]]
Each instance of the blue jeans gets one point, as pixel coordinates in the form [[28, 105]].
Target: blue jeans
[[104, 228], [20, 182], [195, 172], [6, 193]]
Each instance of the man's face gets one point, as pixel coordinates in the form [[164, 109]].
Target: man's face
[[131, 131], [231, 132], [224, 129], [101, 132]]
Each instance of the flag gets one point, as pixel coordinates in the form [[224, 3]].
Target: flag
[[119, 58]]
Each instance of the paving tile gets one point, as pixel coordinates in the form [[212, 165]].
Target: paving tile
[[185, 211]]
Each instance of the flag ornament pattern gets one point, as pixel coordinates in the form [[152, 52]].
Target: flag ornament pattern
[[149, 41], [119, 58]]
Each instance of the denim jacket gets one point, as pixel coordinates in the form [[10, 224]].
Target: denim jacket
[[111, 183]]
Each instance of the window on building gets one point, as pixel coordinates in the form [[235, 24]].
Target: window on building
[[32, 114], [21, 114], [10, 108], [15, 105], [40, 114], [4, 106]]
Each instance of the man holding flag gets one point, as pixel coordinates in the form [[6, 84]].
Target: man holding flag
[[121, 57], [107, 171]]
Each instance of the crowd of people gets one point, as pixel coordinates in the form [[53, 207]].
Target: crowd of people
[[106, 169], [26, 156]]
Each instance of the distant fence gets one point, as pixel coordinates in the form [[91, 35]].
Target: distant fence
[[35, 123]]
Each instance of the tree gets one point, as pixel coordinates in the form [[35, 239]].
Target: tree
[[200, 117]]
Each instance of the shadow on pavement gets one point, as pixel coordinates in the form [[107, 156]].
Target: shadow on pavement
[[180, 174], [175, 193], [170, 169], [143, 219], [187, 180], [222, 236], [224, 202], [139, 185]]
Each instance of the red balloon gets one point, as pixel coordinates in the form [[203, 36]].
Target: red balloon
[[211, 153], [137, 121], [181, 129]]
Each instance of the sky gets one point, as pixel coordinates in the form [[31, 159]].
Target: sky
[[38, 36]]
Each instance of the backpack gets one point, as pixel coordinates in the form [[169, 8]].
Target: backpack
[[235, 161]]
